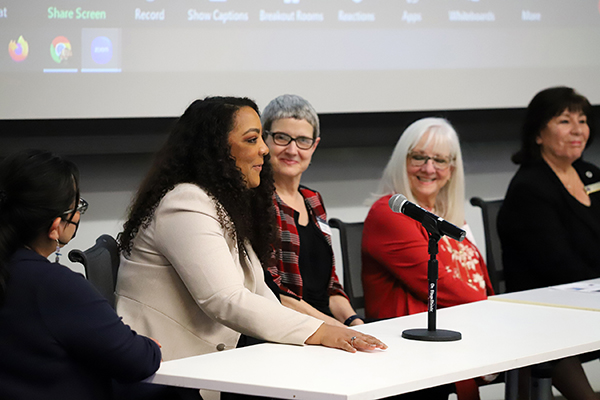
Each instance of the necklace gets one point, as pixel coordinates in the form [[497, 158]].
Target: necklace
[[574, 186]]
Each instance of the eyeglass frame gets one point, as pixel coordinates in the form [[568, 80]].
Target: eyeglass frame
[[291, 139], [449, 161], [82, 207]]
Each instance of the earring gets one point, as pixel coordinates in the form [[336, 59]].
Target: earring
[[56, 260]]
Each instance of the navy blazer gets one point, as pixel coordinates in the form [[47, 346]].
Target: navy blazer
[[547, 236], [60, 339]]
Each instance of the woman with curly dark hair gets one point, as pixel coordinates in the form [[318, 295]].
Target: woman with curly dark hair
[[200, 230]]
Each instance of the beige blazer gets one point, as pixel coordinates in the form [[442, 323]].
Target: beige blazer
[[186, 285]]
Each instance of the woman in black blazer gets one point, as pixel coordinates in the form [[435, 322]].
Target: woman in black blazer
[[59, 338], [549, 223]]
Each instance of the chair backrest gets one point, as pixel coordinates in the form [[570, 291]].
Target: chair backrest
[[101, 264], [351, 245], [489, 211]]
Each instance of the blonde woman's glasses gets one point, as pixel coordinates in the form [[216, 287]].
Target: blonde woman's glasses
[[418, 160]]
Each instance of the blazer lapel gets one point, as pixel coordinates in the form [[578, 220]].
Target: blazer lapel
[[588, 176]]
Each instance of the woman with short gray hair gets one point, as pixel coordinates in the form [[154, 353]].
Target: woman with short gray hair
[[304, 270]]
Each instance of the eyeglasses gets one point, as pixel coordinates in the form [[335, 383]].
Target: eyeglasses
[[283, 139], [82, 207], [418, 160]]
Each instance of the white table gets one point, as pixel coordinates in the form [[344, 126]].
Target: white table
[[497, 336], [558, 296], [584, 295]]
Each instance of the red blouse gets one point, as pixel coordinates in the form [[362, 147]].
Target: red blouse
[[394, 266]]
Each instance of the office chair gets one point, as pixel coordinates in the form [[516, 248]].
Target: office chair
[[489, 211], [351, 244], [101, 263]]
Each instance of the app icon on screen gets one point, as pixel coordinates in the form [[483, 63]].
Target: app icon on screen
[[60, 49], [102, 50], [18, 50]]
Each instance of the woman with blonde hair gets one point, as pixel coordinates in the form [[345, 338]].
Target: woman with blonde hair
[[426, 167]]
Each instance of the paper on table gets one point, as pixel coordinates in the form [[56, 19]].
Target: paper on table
[[586, 287]]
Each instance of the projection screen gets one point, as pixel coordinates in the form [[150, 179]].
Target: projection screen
[[151, 58]]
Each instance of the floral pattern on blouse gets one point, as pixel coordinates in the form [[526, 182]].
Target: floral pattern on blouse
[[464, 262]]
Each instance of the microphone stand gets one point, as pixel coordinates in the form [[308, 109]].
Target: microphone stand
[[431, 334]]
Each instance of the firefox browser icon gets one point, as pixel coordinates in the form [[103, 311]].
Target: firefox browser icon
[[18, 50], [60, 49]]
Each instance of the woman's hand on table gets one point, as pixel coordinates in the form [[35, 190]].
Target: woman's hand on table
[[344, 339], [159, 346]]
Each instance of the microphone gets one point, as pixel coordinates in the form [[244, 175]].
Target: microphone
[[434, 224]]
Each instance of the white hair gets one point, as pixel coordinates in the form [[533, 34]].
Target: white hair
[[449, 203]]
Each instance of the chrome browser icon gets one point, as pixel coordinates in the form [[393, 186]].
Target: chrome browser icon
[[60, 49]]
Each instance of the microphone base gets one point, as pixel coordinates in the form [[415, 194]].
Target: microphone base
[[438, 335]]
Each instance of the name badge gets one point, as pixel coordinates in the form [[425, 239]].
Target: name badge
[[324, 227], [593, 188]]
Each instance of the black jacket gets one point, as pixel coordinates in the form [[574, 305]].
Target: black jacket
[[60, 339], [548, 237]]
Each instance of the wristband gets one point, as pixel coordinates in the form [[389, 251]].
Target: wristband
[[350, 319]]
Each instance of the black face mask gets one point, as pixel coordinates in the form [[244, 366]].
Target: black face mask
[[82, 207], [74, 233]]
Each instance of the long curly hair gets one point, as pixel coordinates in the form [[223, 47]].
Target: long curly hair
[[197, 151]]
